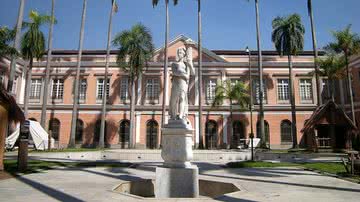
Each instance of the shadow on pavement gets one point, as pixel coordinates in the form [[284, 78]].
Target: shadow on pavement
[[56, 194], [287, 183]]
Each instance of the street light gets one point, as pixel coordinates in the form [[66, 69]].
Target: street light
[[251, 105]]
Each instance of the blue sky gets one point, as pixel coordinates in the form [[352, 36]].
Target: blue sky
[[227, 24]]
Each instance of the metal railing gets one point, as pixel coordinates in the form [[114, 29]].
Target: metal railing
[[324, 143]]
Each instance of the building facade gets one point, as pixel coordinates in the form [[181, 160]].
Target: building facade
[[218, 66]]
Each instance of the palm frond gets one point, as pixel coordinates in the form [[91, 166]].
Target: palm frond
[[288, 34], [33, 40], [135, 49], [345, 42]]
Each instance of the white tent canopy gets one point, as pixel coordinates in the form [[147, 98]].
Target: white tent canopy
[[37, 133]]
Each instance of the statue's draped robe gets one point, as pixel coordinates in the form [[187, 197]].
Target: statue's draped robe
[[179, 96]]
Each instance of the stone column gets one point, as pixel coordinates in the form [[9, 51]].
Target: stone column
[[225, 130]]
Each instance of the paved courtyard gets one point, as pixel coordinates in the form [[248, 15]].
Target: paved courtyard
[[96, 184]]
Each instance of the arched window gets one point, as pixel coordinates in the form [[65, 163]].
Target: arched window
[[79, 130], [124, 132], [211, 135], [97, 131], [238, 133], [54, 127], [267, 130], [285, 128], [151, 134]]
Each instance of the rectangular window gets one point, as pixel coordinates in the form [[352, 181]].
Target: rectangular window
[[100, 88], [124, 88], [283, 89], [256, 91], [14, 88], [57, 89], [152, 89], [210, 89], [306, 90], [2, 80], [325, 93], [82, 90], [35, 89]]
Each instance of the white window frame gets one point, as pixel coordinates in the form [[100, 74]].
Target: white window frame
[[152, 90], [37, 88], [306, 90], [256, 91], [280, 87], [14, 87], [82, 91], [98, 88], [210, 90], [124, 89], [59, 89]]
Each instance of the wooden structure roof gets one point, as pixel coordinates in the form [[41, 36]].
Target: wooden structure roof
[[8, 101], [320, 116]]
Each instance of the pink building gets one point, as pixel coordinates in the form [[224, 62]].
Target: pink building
[[218, 65]]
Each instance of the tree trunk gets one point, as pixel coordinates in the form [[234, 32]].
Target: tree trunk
[[350, 88], [332, 93], [232, 144], [261, 84], [292, 103], [77, 78], [16, 45], [201, 141], [47, 71], [332, 114], [313, 33], [132, 137], [165, 91], [104, 100], [27, 88]]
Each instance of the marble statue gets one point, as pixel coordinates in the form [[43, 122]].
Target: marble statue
[[177, 177], [182, 69]]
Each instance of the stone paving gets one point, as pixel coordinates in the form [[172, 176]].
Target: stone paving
[[96, 184]]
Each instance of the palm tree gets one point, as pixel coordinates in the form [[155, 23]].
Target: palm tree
[[166, 59], [6, 36], [288, 37], [348, 44], [33, 46], [228, 90], [47, 71], [313, 33], [261, 81], [16, 45], [331, 67], [104, 98], [136, 49], [77, 78]]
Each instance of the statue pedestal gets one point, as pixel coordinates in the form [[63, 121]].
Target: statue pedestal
[[177, 178]]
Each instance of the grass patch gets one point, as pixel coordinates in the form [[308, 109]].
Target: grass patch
[[67, 150], [35, 166], [332, 168], [257, 164], [289, 151]]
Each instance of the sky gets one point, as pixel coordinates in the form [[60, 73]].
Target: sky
[[227, 24]]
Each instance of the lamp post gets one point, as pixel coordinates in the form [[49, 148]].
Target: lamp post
[[251, 105]]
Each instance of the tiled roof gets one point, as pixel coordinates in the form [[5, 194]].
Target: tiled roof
[[321, 111]]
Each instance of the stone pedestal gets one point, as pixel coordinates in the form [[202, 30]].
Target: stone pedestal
[[177, 182], [177, 178]]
